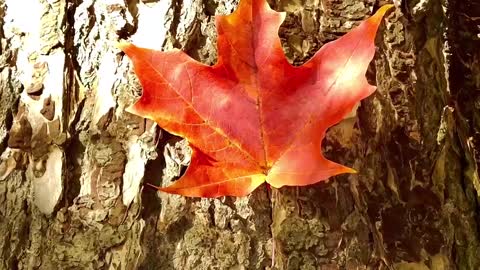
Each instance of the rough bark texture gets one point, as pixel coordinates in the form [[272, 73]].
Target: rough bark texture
[[73, 162]]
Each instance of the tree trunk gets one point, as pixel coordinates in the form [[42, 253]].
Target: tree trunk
[[74, 163]]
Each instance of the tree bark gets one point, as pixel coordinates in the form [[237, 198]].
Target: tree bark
[[74, 163]]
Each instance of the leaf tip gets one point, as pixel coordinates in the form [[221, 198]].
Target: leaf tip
[[350, 170], [122, 45], [382, 10], [137, 109], [131, 109]]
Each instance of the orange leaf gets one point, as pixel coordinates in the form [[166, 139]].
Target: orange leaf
[[253, 117]]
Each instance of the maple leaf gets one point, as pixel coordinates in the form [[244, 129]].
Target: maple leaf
[[253, 117]]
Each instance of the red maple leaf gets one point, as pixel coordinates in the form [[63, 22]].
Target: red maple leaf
[[252, 117]]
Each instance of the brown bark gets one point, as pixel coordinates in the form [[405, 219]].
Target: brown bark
[[73, 162]]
